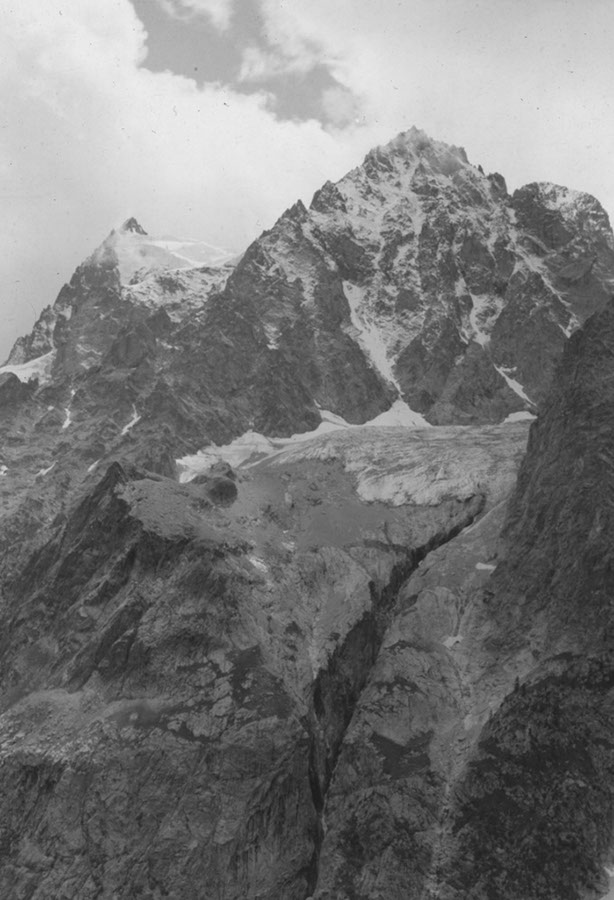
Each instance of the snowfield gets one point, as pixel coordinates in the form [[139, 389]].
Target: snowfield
[[396, 465], [391, 462], [135, 252], [36, 368]]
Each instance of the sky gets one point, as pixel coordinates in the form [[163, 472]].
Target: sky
[[208, 118]]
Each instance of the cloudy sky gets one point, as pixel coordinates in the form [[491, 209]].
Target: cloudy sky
[[207, 118]]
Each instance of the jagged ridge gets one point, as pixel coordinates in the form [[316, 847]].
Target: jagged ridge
[[243, 641]]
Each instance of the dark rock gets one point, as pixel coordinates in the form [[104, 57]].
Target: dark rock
[[424, 366], [324, 673], [224, 470], [13, 391], [545, 223], [131, 347], [498, 184], [220, 490], [475, 389], [131, 224], [531, 812]]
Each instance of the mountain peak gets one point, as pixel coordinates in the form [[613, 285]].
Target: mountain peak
[[418, 143], [414, 137], [408, 151], [133, 225], [136, 253]]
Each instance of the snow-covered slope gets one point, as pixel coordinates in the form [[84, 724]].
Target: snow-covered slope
[[178, 275], [181, 292], [138, 254], [443, 281], [38, 368], [414, 291]]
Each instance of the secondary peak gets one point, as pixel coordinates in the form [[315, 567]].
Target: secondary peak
[[131, 224]]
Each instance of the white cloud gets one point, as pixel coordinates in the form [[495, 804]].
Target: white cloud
[[258, 65], [295, 43], [219, 12], [261, 65], [341, 106]]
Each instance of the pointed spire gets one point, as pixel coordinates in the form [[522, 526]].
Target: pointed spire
[[131, 224]]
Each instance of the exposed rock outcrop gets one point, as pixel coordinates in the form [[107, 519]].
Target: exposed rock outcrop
[[178, 673], [253, 647]]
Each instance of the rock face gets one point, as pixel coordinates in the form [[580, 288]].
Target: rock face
[[547, 749], [478, 762], [184, 670], [268, 633]]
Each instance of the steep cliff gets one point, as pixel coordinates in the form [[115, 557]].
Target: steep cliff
[[532, 813], [479, 759]]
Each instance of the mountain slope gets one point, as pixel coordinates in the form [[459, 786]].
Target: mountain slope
[[180, 662], [416, 277], [270, 628], [415, 285]]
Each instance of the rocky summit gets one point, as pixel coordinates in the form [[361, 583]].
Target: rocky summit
[[306, 576]]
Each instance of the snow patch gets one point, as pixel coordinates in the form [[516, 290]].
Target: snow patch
[[399, 414], [93, 466], [452, 641], [135, 418], [88, 356], [42, 472], [36, 368], [272, 336], [258, 563], [330, 420], [179, 291], [515, 385], [249, 447], [523, 416], [484, 313], [557, 197], [67, 412], [485, 567], [3, 471], [368, 334]]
